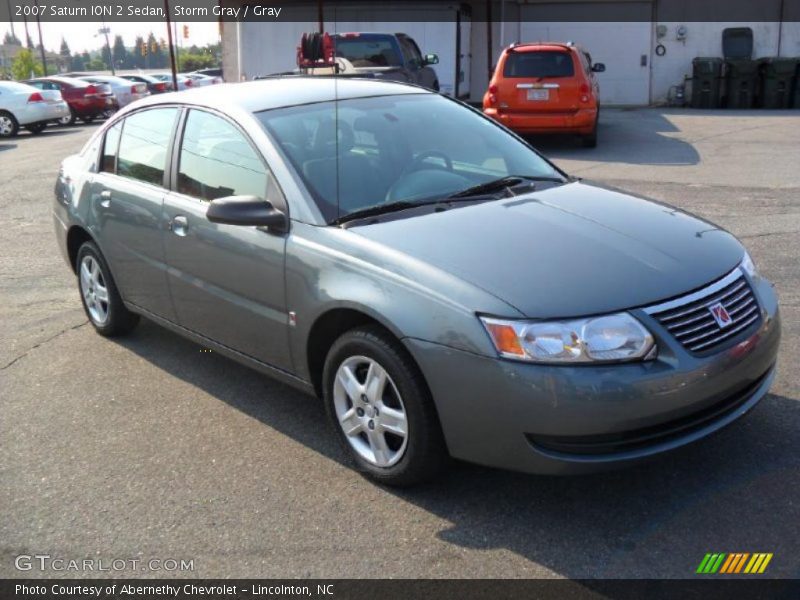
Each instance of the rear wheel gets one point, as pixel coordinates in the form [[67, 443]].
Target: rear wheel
[[88, 119], [381, 409], [68, 120], [8, 125], [590, 140], [99, 294], [36, 128]]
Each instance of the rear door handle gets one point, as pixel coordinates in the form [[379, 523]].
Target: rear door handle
[[179, 225], [105, 198]]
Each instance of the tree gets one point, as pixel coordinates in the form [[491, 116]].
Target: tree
[[10, 38], [105, 55], [193, 62], [139, 52], [65, 55], [25, 65], [96, 65], [120, 53], [77, 63]]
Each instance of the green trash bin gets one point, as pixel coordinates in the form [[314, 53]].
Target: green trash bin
[[741, 79], [796, 101], [777, 82], [706, 82]]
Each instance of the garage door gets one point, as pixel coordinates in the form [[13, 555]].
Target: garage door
[[624, 46]]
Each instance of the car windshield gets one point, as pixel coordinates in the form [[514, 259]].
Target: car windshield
[[368, 51], [367, 152], [539, 64]]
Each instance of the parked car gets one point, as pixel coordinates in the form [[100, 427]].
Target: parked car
[[154, 85], [203, 80], [443, 287], [124, 91], [26, 106], [386, 56], [546, 88], [86, 101], [184, 82], [212, 72]]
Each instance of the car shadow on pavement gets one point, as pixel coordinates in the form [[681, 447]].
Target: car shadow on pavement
[[633, 136], [7, 147], [735, 492]]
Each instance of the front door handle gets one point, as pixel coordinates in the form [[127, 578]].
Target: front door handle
[[105, 198], [179, 225]]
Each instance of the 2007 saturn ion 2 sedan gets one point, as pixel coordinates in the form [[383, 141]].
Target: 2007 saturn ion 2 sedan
[[445, 289]]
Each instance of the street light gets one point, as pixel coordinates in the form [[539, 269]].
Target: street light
[[104, 30]]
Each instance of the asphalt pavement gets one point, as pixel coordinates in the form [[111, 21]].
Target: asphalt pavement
[[149, 448]]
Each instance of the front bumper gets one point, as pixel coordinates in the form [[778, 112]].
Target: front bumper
[[580, 121], [561, 419]]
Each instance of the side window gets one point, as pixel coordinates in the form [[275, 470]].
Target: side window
[[216, 160], [108, 162], [144, 144]]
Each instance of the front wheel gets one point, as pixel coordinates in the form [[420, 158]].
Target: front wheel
[[381, 409], [101, 300]]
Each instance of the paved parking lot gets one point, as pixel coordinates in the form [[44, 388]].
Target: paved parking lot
[[147, 447]]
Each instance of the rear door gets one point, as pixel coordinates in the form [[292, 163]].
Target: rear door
[[127, 197], [540, 80], [227, 281]]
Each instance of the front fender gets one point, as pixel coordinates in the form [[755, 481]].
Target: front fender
[[329, 268]]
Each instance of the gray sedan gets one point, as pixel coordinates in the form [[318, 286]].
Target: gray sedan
[[442, 287]]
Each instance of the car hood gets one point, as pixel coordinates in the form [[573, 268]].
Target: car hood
[[567, 251]]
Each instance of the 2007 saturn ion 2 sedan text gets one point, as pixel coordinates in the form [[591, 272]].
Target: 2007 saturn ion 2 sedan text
[[445, 289]]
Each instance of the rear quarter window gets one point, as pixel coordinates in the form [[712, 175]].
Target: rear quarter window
[[539, 64]]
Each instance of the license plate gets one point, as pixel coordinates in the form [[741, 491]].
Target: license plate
[[538, 95]]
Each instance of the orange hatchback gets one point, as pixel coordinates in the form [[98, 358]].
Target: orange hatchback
[[546, 87]]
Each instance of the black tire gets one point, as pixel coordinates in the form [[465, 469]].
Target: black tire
[[88, 118], [9, 127], [36, 128], [425, 453], [68, 121], [590, 141], [119, 320]]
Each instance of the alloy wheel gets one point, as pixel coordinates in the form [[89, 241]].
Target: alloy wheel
[[6, 125], [94, 290], [370, 411]]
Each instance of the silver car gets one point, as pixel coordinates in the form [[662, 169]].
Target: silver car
[[443, 288]]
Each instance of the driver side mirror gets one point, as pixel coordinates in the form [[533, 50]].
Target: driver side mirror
[[598, 67], [247, 210], [431, 59]]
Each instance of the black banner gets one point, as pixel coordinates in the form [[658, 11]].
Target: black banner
[[683, 11], [401, 589]]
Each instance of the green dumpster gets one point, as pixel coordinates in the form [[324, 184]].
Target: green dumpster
[[777, 82], [741, 80], [706, 82]]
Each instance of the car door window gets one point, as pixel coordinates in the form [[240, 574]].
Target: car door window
[[216, 160], [108, 162], [144, 143]]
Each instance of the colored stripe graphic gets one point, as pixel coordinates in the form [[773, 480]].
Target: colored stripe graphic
[[724, 563]]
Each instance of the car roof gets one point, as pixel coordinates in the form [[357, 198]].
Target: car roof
[[73, 81], [279, 92], [542, 46]]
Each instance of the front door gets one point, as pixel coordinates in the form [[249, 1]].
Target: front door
[[127, 197], [227, 281]]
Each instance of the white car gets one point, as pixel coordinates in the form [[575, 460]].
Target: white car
[[184, 83], [24, 105], [201, 80], [124, 91]]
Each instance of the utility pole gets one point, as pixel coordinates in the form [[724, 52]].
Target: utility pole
[[41, 41], [105, 31], [10, 20], [171, 47]]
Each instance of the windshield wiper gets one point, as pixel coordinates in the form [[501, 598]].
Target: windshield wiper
[[503, 183], [377, 209]]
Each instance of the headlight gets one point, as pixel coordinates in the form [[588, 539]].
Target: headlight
[[609, 338], [748, 266]]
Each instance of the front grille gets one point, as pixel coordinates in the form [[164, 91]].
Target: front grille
[[692, 323]]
